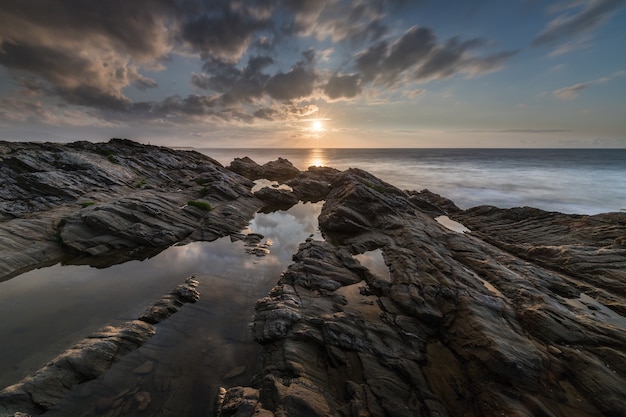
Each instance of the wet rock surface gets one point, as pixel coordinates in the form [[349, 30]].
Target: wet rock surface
[[488, 323], [522, 316], [314, 184], [275, 199], [278, 170], [117, 198]]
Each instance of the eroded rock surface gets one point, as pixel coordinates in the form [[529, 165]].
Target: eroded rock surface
[[314, 184], [278, 170], [466, 324], [522, 316], [119, 197]]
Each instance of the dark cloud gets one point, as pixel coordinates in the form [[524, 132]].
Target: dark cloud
[[31, 86], [589, 15], [408, 51], [133, 27], [267, 113], [86, 51], [285, 112], [245, 85], [226, 36], [369, 62], [75, 78], [237, 85], [418, 52], [343, 86], [298, 83], [56, 66], [445, 59], [85, 95]]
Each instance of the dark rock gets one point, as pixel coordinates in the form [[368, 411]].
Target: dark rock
[[172, 302], [275, 199], [432, 203], [518, 317], [117, 201], [314, 184], [579, 245], [253, 239], [247, 168], [278, 170]]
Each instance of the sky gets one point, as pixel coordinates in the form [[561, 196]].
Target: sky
[[315, 73]]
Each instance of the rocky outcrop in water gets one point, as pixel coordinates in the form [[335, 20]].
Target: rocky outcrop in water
[[91, 357], [275, 199], [520, 317], [278, 170], [118, 198], [314, 184]]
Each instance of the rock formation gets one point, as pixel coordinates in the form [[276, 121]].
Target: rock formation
[[313, 184], [278, 170], [520, 317], [117, 198]]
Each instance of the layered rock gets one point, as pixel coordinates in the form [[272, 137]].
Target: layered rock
[[278, 170], [276, 199], [120, 197], [470, 324], [522, 316], [314, 184]]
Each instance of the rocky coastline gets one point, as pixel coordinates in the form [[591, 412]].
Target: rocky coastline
[[524, 315]]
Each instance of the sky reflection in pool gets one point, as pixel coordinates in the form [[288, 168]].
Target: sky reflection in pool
[[62, 304]]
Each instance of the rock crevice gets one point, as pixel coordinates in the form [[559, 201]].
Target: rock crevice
[[471, 324]]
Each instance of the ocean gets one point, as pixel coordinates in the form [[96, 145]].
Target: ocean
[[578, 181]]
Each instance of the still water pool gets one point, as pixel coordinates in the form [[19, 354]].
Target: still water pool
[[48, 310]]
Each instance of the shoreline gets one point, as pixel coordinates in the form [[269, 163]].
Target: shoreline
[[506, 307]]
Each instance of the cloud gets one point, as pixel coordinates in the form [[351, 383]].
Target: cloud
[[286, 112], [297, 83], [418, 52], [515, 131], [34, 111], [576, 18], [84, 54], [411, 49], [571, 92], [86, 51], [237, 85], [355, 21], [225, 36], [343, 86]]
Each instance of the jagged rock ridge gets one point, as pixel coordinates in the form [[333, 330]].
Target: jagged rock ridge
[[524, 316], [463, 327]]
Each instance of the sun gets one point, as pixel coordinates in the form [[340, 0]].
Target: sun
[[317, 126]]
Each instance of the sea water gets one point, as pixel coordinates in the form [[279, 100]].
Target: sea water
[[581, 181]]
